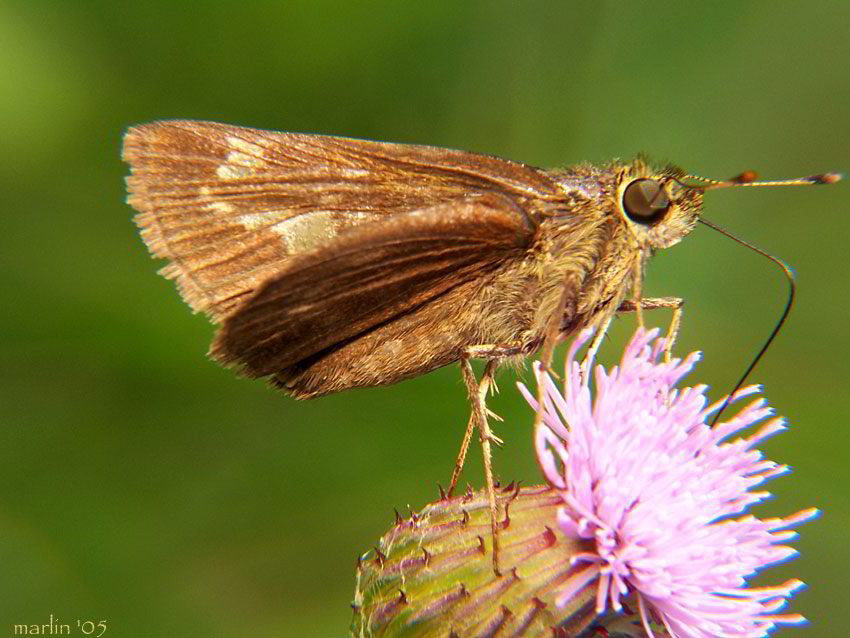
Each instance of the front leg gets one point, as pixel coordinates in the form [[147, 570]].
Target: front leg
[[652, 303]]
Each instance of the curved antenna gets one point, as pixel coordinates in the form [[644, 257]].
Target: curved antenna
[[792, 289]]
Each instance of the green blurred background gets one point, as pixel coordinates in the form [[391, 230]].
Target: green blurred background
[[143, 485]]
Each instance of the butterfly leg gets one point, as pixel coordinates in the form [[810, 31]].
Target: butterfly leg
[[651, 303], [464, 448], [490, 352], [461, 456], [477, 391]]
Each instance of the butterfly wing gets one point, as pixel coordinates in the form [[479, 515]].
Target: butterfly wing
[[229, 207], [368, 277]]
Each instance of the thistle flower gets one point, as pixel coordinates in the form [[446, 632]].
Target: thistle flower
[[661, 495]]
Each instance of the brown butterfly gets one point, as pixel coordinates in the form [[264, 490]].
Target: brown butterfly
[[332, 263]]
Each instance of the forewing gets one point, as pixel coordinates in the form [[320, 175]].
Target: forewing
[[229, 206], [369, 276]]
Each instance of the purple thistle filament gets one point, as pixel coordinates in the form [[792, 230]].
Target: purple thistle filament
[[664, 495]]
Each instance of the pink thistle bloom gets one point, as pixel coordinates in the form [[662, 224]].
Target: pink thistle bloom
[[663, 495]]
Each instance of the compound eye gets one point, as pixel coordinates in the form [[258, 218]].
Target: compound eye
[[644, 200]]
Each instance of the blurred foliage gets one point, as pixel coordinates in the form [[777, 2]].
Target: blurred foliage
[[143, 485]]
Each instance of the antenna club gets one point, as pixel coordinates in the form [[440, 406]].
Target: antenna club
[[745, 178], [828, 178]]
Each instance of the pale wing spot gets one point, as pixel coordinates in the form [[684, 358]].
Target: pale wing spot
[[237, 158], [351, 173], [241, 161], [358, 217], [219, 207], [249, 148], [252, 221], [233, 171], [305, 232], [392, 348]]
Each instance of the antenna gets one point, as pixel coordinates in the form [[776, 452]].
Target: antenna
[[750, 178]]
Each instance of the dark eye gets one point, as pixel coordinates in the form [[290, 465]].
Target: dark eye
[[644, 201]]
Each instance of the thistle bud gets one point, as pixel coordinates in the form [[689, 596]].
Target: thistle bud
[[432, 573]]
